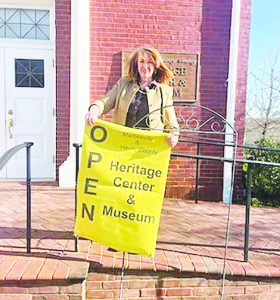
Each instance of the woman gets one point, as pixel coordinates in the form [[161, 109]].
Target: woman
[[142, 99]]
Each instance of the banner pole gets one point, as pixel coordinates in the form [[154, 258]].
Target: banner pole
[[122, 276]]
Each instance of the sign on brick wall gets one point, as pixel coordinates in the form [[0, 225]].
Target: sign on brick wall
[[185, 69]]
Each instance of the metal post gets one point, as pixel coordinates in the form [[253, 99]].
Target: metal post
[[77, 165], [28, 197], [197, 173], [248, 205], [122, 277]]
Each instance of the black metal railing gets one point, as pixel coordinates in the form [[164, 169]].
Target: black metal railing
[[3, 161], [77, 166], [248, 186], [198, 148], [251, 164]]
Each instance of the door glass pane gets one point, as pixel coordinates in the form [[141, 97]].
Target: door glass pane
[[13, 17], [22, 80], [29, 73], [2, 31], [42, 32], [13, 30], [25, 23], [25, 29], [37, 67], [22, 66], [43, 17], [10, 32], [30, 34], [28, 15], [2, 16], [9, 12]]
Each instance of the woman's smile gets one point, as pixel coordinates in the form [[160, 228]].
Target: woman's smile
[[146, 69]]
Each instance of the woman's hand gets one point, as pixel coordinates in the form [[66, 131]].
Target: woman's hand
[[92, 115], [173, 140]]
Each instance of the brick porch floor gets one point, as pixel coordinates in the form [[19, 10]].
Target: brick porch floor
[[191, 240]]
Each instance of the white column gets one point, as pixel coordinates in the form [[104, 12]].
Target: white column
[[231, 96], [79, 88]]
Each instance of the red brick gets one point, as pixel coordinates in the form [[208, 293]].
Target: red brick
[[131, 293], [258, 289], [186, 263], [206, 291], [169, 283], [152, 292], [12, 289], [269, 296], [101, 294], [109, 285], [160, 261], [93, 285], [198, 263], [275, 288], [71, 289], [61, 271], [191, 282], [15, 296], [100, 277], [142, 284], [179, 292], [236, 268], [234, 290], [17, 270], [5, 266], [47, 269], [243, 297], [47, 289], [51, 297]]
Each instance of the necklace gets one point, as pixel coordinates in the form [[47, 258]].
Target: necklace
[[143, 91]]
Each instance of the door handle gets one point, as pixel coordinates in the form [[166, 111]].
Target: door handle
[[10, 125]]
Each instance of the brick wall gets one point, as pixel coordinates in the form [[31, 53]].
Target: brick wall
[[63, 30], [194, 26], [42, 289], [164, 286]]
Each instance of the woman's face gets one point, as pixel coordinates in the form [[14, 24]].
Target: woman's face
[[146, 67]]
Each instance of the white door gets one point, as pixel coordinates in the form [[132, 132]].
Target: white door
[[29, 111]]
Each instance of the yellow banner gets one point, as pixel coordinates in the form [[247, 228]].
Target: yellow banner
[[121, 186]]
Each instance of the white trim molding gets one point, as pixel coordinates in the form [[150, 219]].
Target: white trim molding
[[25, 3], [231, 97], [80, 85], [31, 4]]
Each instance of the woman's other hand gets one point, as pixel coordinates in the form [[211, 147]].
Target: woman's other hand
[[173, 140], [92, 115]]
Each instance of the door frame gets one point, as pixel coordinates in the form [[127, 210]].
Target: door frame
[[45, 129], [27, 44], [3, 173], [3, 103]]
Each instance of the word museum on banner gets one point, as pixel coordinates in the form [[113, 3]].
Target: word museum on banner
[[121, 186]]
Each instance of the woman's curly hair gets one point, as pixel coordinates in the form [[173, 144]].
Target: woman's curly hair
[[162, 73]]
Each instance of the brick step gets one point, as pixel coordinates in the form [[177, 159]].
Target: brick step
[[42, 289], [15, 297], [235, 297]]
